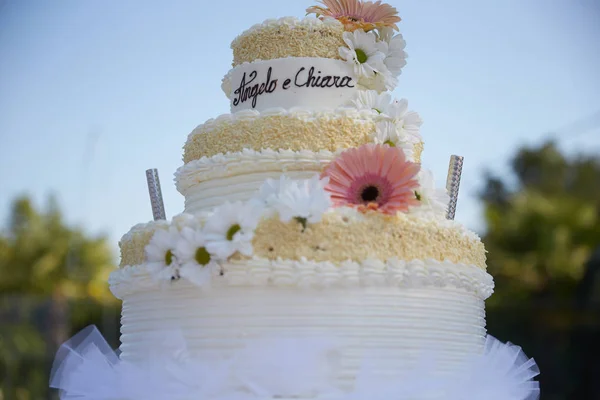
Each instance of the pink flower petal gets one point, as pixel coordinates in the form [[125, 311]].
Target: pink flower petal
[[357, 14], [382, 167]]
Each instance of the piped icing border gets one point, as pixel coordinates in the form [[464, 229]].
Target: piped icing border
[[289, 36], [277, 128], [345, 234], [308, 274]]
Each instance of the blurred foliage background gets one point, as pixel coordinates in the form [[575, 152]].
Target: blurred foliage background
[[52, 284], [543, 238]]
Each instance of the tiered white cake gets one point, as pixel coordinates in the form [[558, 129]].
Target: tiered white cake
[[402, 283], [307, 216]]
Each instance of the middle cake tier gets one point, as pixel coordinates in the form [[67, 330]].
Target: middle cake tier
[[229, 157]]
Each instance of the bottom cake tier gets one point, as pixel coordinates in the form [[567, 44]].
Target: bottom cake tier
[[267, 329], [391, 314], [390, 326]]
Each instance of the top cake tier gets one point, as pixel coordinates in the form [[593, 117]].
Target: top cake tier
[[289, 37], [311, 63]]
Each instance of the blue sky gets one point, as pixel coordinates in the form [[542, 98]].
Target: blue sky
[[92, 93]]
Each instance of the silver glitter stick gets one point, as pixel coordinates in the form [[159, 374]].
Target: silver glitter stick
[[453, 183], [156, 200]]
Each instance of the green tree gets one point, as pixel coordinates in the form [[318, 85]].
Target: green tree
[[53, 282], [543, 226]]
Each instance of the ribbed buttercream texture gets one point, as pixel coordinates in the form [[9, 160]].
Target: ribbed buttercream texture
[[389, 325]]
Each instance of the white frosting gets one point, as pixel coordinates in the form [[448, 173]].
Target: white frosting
[[307, 22], [205, 196], [237, 163], [314, 83], [304, 273], [209, 181], [419, 310]]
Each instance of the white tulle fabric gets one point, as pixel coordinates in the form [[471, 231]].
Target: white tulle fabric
[[86, 368]]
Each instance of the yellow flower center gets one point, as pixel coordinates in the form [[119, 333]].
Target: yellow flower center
[[202, 257], [361, 56], [232, 231], [302, 221], [168, 257]]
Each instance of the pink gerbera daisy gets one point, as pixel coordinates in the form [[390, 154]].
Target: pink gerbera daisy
[[373, 177], [357, 14]]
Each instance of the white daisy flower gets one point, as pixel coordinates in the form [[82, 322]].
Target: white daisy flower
[[267, 194], [363, 52], [388, 133], [432, 199], [271, 188], [393, 48], [230, 229], [197, 264], [408, 122], [305, 200], [381, 81], [385, 34], [373, 100], [160, 254]]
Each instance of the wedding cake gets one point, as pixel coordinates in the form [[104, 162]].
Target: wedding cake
[[315, 257]]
